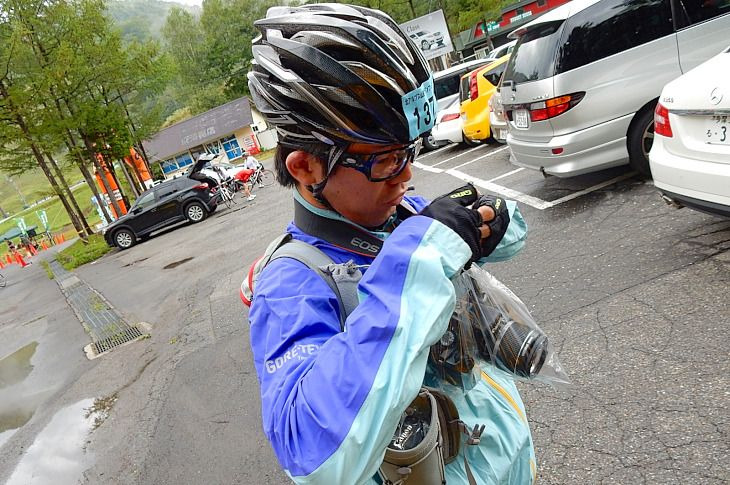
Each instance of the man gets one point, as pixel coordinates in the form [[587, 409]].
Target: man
[[349, 95], [251, 163], [249, 167]]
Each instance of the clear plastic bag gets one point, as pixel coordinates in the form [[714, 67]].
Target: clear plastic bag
[[491, 324]]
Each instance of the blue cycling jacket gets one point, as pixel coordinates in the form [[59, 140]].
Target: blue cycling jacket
[[331, 399]]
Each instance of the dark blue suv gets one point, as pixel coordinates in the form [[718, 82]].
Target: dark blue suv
[[168, 203]]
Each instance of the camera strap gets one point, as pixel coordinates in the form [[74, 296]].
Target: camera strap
[[343, 234]]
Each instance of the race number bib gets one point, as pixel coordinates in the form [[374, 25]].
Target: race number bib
[[419, 106]]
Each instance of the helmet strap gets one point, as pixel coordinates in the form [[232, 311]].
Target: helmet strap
[[317, 189]]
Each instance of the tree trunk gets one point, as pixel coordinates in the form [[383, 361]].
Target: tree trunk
[[144, 157], [73, 148], [94, 189], [130, 180], [20, 122], [413, 9], [102, 175], [64, 185], [137, 176]]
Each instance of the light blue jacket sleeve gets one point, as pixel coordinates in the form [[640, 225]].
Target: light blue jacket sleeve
[[513, 240], [331, 400]]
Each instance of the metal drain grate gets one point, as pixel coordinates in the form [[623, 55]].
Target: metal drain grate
[[128, 335]]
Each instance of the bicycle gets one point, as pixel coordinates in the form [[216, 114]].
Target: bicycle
[[261, 177], [225, 191]]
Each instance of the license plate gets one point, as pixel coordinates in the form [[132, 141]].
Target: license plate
[[521, 118], [717, 130], [502, 134]]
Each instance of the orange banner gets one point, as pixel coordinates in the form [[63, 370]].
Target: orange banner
[[112, 184]]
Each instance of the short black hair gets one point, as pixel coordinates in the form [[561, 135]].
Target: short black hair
[[284, 149]]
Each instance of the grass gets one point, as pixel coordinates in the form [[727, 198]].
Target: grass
[[80, 253], [48, 269], [29, 187], [58, 219], [34, 186]]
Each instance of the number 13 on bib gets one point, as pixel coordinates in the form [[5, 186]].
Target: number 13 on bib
[[419, 106]]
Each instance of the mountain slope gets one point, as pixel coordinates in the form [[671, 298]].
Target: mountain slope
[[142, 19]]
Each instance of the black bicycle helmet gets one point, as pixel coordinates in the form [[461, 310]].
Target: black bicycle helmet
[[335, 74]]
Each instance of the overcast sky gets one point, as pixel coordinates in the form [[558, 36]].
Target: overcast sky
[[189, 2]]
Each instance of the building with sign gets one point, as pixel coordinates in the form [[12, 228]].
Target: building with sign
[[431, 35], [474, 42], [233, 128]]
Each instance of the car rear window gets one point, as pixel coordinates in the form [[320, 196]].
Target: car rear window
[[696, 11], [610, 27], [534, 55], [464, 89], [447, 85]]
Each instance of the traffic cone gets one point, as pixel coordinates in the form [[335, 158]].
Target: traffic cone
[[33, 250], [1, 264], [63, 238], [44, 246], [8, 258], [19, 259]]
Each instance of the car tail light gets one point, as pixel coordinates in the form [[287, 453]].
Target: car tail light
[[661, 121], [473, 87], [201, 186], [449, 117], [550, 108]]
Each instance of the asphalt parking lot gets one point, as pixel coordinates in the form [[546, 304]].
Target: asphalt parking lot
[[633, 294]]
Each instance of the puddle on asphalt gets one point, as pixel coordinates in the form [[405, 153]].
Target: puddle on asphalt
[[16, 409], [16, 366], [58, 455], [177, 263]]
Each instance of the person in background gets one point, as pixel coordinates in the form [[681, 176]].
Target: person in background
[[250, 165]]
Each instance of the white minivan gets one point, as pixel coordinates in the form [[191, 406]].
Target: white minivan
[[583, 80]]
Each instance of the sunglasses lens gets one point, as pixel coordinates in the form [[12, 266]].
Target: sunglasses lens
[[388, 164]]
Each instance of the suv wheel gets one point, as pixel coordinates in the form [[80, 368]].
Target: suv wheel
[[124, 239], [640, 139], [195, 212]]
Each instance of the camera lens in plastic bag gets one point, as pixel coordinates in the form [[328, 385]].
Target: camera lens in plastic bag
[[516, 348]]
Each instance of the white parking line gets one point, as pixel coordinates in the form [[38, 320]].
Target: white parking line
[[479, 158], [457, 156], [594, 188], [506, 191], [530, 200], [518, 170], [438, 150]]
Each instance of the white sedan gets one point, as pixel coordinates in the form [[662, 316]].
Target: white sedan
[[690, 156], [448, 126]]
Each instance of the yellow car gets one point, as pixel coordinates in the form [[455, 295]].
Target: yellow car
[[475, 90]]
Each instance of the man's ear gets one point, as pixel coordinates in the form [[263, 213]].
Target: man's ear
[[305, 167]]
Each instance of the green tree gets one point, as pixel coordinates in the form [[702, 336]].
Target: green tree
[[212, 54], [72, 83]]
